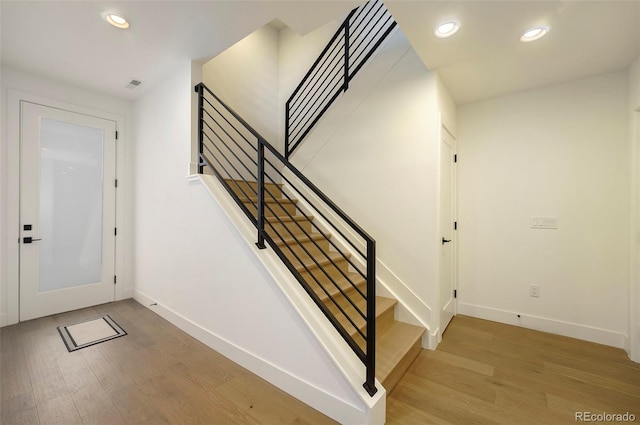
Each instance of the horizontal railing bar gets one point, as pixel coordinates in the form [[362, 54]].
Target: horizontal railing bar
[[324, 217], [233, 113], [363, 45], [321, 232], [333, 55], [224, 118], [243, 208], [336, 35], [334, 65], [374, 48], [232, 139], [366, 19], [312, 257], [315, 226], [343, 333], [230, 150], [369, 39], [295, 171], [340, 86], [313, 109], [230, 163], [357, 12], [310, 127]]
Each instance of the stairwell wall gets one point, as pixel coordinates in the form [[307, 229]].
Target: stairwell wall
[[192, 261], [556, 151]]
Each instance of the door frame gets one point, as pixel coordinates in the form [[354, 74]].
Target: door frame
[[454, 248], [15, 98], [633, 337]]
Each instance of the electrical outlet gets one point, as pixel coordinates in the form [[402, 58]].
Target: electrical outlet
[[534, 291]]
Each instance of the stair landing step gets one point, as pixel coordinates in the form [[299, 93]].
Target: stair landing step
[[396, 348]]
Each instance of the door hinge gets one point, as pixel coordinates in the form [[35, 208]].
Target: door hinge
[[455, 293], [115, 231], [455, 158], [116, 182], [116, 135], [115, 279], [455, 225]]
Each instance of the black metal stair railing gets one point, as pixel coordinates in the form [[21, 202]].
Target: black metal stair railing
[[252, 170], [359, 36]]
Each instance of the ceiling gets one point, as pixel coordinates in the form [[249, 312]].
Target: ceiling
[[68, 41]]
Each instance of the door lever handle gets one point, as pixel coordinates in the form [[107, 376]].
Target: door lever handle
[[444, 241], [29, 239]]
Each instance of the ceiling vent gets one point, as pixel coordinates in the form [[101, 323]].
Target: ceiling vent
[[134, 84]]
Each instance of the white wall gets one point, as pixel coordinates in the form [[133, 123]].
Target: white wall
[[192, 261], [634, 287], [245, 77], [557, 151], [23, 82]]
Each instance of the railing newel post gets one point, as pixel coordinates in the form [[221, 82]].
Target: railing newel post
[[346, 54], [286, 129], [370, 383], [260, 188], [199, 90]]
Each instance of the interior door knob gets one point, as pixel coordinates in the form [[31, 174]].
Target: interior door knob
[[444, 241], [29, 239]]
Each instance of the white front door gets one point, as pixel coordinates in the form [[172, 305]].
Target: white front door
[[447, 229], [67, 210]]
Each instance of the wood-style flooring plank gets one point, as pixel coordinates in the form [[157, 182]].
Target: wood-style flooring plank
[[487, 372], [155, 375], [59, 411]]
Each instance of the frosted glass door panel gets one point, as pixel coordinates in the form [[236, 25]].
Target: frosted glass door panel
[[71, 205]]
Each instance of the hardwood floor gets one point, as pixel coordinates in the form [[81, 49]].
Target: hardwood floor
[[482, 373], [154, 375], [489, 373]]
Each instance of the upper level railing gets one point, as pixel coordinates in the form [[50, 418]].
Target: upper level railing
[[351, 46], [251, 170]]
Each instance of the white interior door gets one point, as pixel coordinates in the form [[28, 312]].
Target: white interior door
[[447, 230], [67, 210]]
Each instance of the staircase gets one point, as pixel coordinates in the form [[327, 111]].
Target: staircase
[[309, 248], [331, 257]]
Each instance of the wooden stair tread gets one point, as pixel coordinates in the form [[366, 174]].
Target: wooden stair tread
[[303, 239], [286, 219], [383, 305], [268, 200], [326, 259], [340, 281], [396, 350]]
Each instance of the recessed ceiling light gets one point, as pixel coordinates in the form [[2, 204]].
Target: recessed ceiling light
[[447, 29], [534, 34], [115, 20]]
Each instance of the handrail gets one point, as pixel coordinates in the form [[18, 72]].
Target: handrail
[[317, 91], [221, 134], [293, 169]]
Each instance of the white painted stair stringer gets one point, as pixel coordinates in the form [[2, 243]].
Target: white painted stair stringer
[[373, 409]]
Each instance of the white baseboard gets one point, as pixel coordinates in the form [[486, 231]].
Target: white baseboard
[[315, 397], [558, 327]]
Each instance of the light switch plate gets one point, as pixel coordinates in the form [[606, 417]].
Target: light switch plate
[[546, 222]]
